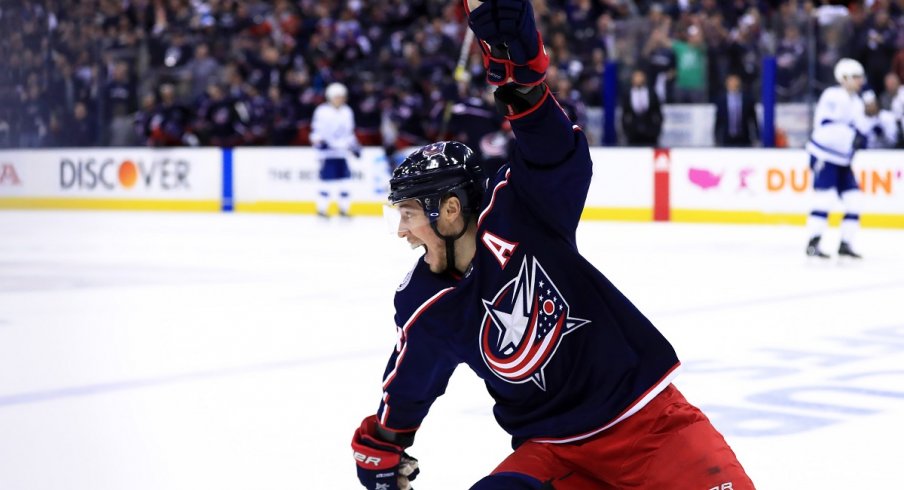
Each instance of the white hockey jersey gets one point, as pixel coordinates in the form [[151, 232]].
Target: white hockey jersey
[[838, 119], [888, 136], [334, 126]]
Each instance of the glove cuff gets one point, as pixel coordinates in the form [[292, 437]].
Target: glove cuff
[[516, 101]]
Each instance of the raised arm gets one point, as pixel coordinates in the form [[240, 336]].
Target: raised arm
[[551, 167]]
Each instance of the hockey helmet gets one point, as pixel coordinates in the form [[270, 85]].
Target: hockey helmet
[[335, 90], [436, 171], [847, 68]]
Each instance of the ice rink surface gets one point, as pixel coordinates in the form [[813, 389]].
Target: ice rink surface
[[217, 351]]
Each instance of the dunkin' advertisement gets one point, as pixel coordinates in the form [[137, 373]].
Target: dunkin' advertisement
[[774, 185]]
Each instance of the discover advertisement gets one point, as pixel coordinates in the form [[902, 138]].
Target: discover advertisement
[[126, 178]]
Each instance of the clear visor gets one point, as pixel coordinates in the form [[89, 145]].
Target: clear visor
[[405, 217]]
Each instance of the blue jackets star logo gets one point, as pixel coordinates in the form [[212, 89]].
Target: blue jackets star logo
[[524, 325]]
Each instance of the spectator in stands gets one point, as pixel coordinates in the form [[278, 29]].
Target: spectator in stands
[[892, 89], [33, 117], [743, 50], [605, 38], [471, 118], [225, 126], [691, 62], [406, 114], [305, 99], [581, 18], [367, 104], [120, 97], [590, 80], [63, 88], [171, 123], [6, 127], [660, 60], [736, 121], [791, 66], [409, 48], [267, 69], [141, 124], [170, 48], [282, 119], [876, 45], [721, 47], [80, 129], [641, 113], [202, 70], [897, 64], [260, 113]]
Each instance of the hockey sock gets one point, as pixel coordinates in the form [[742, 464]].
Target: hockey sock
[[323, 201], [818, 219], [851, 222], [345, 201], [817, 223]]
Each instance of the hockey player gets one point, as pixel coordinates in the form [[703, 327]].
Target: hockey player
[[841, 124], [581, 379], [333, 133], [885, 133]]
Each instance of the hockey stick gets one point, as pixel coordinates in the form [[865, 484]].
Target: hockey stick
[[460, 75], [461, 72]]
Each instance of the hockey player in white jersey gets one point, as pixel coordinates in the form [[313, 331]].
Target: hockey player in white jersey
[[333, 133], [840, 126], [886, 134]]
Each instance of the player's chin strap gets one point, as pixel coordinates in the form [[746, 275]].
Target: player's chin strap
[[450, 246]]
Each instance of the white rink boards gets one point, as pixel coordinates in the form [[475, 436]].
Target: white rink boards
[[237, 351]]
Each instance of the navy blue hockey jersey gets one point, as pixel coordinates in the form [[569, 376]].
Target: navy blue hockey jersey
[[563, 353]]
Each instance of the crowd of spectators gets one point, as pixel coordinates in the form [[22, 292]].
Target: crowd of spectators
[[235, 72]]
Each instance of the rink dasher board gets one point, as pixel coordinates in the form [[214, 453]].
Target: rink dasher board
[[178, 179], [772, 186], [692, 185]]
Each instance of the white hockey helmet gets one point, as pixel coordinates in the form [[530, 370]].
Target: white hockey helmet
[[335, 90], [847, 68]]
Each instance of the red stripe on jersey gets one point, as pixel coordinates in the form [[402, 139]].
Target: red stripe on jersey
[[500, 185], [639, 403], [385, 415], [417, 313]]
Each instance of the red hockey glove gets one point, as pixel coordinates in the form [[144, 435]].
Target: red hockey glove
[[511, 45], [381, 465]]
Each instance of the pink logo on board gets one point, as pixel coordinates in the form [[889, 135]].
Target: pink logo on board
[[703, 178]]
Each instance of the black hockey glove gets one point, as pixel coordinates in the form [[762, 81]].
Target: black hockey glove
[[381, 465], [511, 44]]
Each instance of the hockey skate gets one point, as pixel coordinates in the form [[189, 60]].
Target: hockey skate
[[813, 249], [845, 250]]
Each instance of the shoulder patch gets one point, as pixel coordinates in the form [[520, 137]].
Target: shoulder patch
[[407, 279]]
